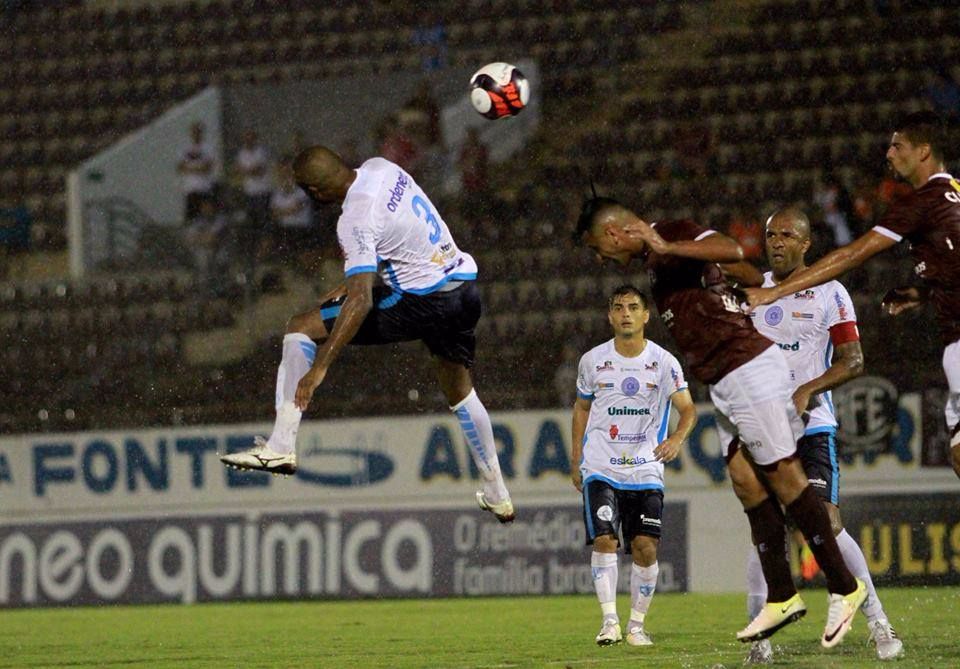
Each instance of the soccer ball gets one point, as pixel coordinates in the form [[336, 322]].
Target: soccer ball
[[499, 90]]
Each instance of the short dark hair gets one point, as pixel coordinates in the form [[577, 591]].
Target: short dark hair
[[588, 214], [925, 127], [628, 289]]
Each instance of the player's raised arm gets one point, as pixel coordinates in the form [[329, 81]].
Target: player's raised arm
[[356, 307], [829, 267], [710, 246]]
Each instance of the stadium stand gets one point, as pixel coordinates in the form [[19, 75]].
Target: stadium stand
[[674, 117]]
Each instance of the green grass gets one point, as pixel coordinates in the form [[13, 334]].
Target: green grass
[[688, 631]]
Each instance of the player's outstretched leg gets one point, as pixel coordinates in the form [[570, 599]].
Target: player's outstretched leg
[[278, 454], [478, 433]]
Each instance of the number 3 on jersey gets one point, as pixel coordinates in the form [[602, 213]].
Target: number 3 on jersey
[[422, 209]]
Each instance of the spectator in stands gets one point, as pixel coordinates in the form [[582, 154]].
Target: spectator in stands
[[15, 222], [748, 231], [197, 169], [296, 234], [474, 164], [835, 203], [431, 39], [944, 94], [252, 167], [204, 237]]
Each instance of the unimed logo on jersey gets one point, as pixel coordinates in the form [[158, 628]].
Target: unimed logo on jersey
[[628, 411]]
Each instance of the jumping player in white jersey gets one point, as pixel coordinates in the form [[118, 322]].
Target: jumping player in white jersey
[[807, 326], [625, 388], [388, 228]]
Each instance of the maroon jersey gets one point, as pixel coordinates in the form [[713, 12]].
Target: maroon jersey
[[929, 218], [700, 310]]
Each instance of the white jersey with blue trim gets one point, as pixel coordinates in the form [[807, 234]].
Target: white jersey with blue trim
[[629, 413], [389, 226], [800, 325]]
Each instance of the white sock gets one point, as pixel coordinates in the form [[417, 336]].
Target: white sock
[[299, 352], [857, 564], [604, 570], [643, 583], [756, 585], [478, 432]]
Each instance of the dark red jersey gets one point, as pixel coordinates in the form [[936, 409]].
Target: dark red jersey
[[700, 310], [929, 218]]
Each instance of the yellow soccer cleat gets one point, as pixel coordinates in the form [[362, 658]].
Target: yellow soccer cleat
[[772, 617]]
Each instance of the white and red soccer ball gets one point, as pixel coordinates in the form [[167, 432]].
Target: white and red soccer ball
[[499, 90]]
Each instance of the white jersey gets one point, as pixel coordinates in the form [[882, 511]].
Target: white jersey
[[629, 414], [389, 226], [296, 201], [198, 156], [249, 159], [800, 325]]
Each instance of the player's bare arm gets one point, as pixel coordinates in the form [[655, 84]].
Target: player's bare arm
[[334, 293], [359, 301], [581, 413], [742, 274], [899, 300], [669, 448], [829, 267], [847, 364]]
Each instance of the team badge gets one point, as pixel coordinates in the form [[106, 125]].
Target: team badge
[[630, 386], [773, 316]]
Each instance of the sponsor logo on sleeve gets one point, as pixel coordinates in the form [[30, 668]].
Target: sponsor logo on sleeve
[[841, 307]]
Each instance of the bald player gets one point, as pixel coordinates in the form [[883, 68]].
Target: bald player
[[750, 387], [929, 219], [817, 331], [391, 231]]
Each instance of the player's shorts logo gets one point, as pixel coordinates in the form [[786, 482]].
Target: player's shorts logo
[[630, 386], [605, 513], [773, 316]]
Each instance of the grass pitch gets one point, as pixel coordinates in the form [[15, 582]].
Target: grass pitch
[[688, 630]]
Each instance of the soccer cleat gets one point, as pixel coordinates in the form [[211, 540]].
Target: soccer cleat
[[761, 652], [503, 509], [772, 617], [262, 458], [609, 633], [883, 636], [840, 614], [636, 636]]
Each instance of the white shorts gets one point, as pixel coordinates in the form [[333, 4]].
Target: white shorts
[[951, 367], [755, 403]]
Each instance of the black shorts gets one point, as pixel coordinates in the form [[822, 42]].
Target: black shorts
[[607, 510], [818, 455], [444, 321]]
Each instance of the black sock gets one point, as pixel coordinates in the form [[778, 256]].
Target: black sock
[[770, 537], [812, 519]]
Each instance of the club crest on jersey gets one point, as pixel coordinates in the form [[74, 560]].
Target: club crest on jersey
[[630, 386], [607, 366], [773, 315]]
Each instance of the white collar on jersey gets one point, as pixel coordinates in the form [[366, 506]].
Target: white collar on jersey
[[939, 175]]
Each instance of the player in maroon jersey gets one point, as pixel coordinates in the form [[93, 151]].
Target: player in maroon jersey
[[929, 219], [749, 385]]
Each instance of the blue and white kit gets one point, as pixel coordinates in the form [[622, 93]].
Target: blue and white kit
[[629, 414]]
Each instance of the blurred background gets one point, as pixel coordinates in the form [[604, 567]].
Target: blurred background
[[152, 243]]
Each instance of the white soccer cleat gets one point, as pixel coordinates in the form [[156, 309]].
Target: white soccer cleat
[[883, 636], [262, 458], [840, 614], [772, 617], [637, 636], [503, 509], [609, 633], [761, 652]]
